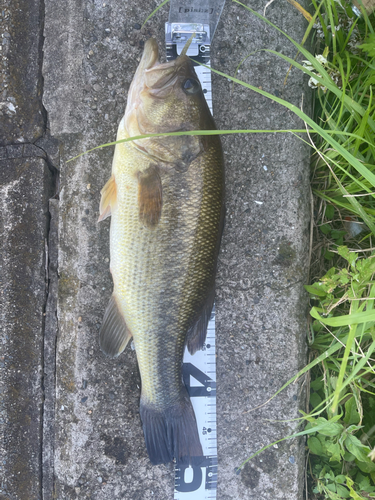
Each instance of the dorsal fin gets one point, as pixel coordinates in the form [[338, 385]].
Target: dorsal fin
[[108, 199]]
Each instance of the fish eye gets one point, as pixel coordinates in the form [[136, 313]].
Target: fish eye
[[191, 86]]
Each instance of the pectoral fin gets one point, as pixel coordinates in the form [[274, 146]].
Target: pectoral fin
[[150, 197], [114, 334], [108, 199]]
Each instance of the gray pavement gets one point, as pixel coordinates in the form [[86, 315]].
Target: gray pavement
[[70, 415]]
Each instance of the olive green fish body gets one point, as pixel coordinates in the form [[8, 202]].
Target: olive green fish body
[[166, 204]]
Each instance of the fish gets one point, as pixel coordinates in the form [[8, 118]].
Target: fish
[[166, 201]]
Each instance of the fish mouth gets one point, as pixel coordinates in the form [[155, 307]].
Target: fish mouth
[[150, 55], [156, 76], [151, 75], [152, 80], [149, 60], [160, 75]]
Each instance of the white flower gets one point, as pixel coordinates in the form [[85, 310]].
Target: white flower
[[321, 59], [308, 65]]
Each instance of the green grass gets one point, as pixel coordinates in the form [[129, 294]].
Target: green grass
[[341, 464]]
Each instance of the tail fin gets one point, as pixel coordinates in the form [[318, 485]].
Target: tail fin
[[172, 432]]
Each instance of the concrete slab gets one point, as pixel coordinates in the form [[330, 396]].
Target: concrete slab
[[261, 304], [24, 191], [91, 52], [21, 111], [26, 183]]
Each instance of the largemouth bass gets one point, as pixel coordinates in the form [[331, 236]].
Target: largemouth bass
[[166, 200]]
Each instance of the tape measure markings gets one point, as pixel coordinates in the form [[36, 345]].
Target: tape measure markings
[[198, 481]]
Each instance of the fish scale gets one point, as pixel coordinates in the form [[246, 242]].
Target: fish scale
[[149, 306], [166, 200]]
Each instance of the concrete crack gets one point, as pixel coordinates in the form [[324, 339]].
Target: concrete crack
[[48, 146], [49, 354]]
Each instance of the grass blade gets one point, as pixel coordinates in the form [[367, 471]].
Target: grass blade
[[347, 320]]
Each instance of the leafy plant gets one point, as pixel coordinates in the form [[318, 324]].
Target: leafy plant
[[341, 464]]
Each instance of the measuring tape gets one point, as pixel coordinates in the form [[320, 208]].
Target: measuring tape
[[198, 480], [176, 35]]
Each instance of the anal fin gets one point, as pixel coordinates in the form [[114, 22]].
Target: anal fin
[[114, 334]]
